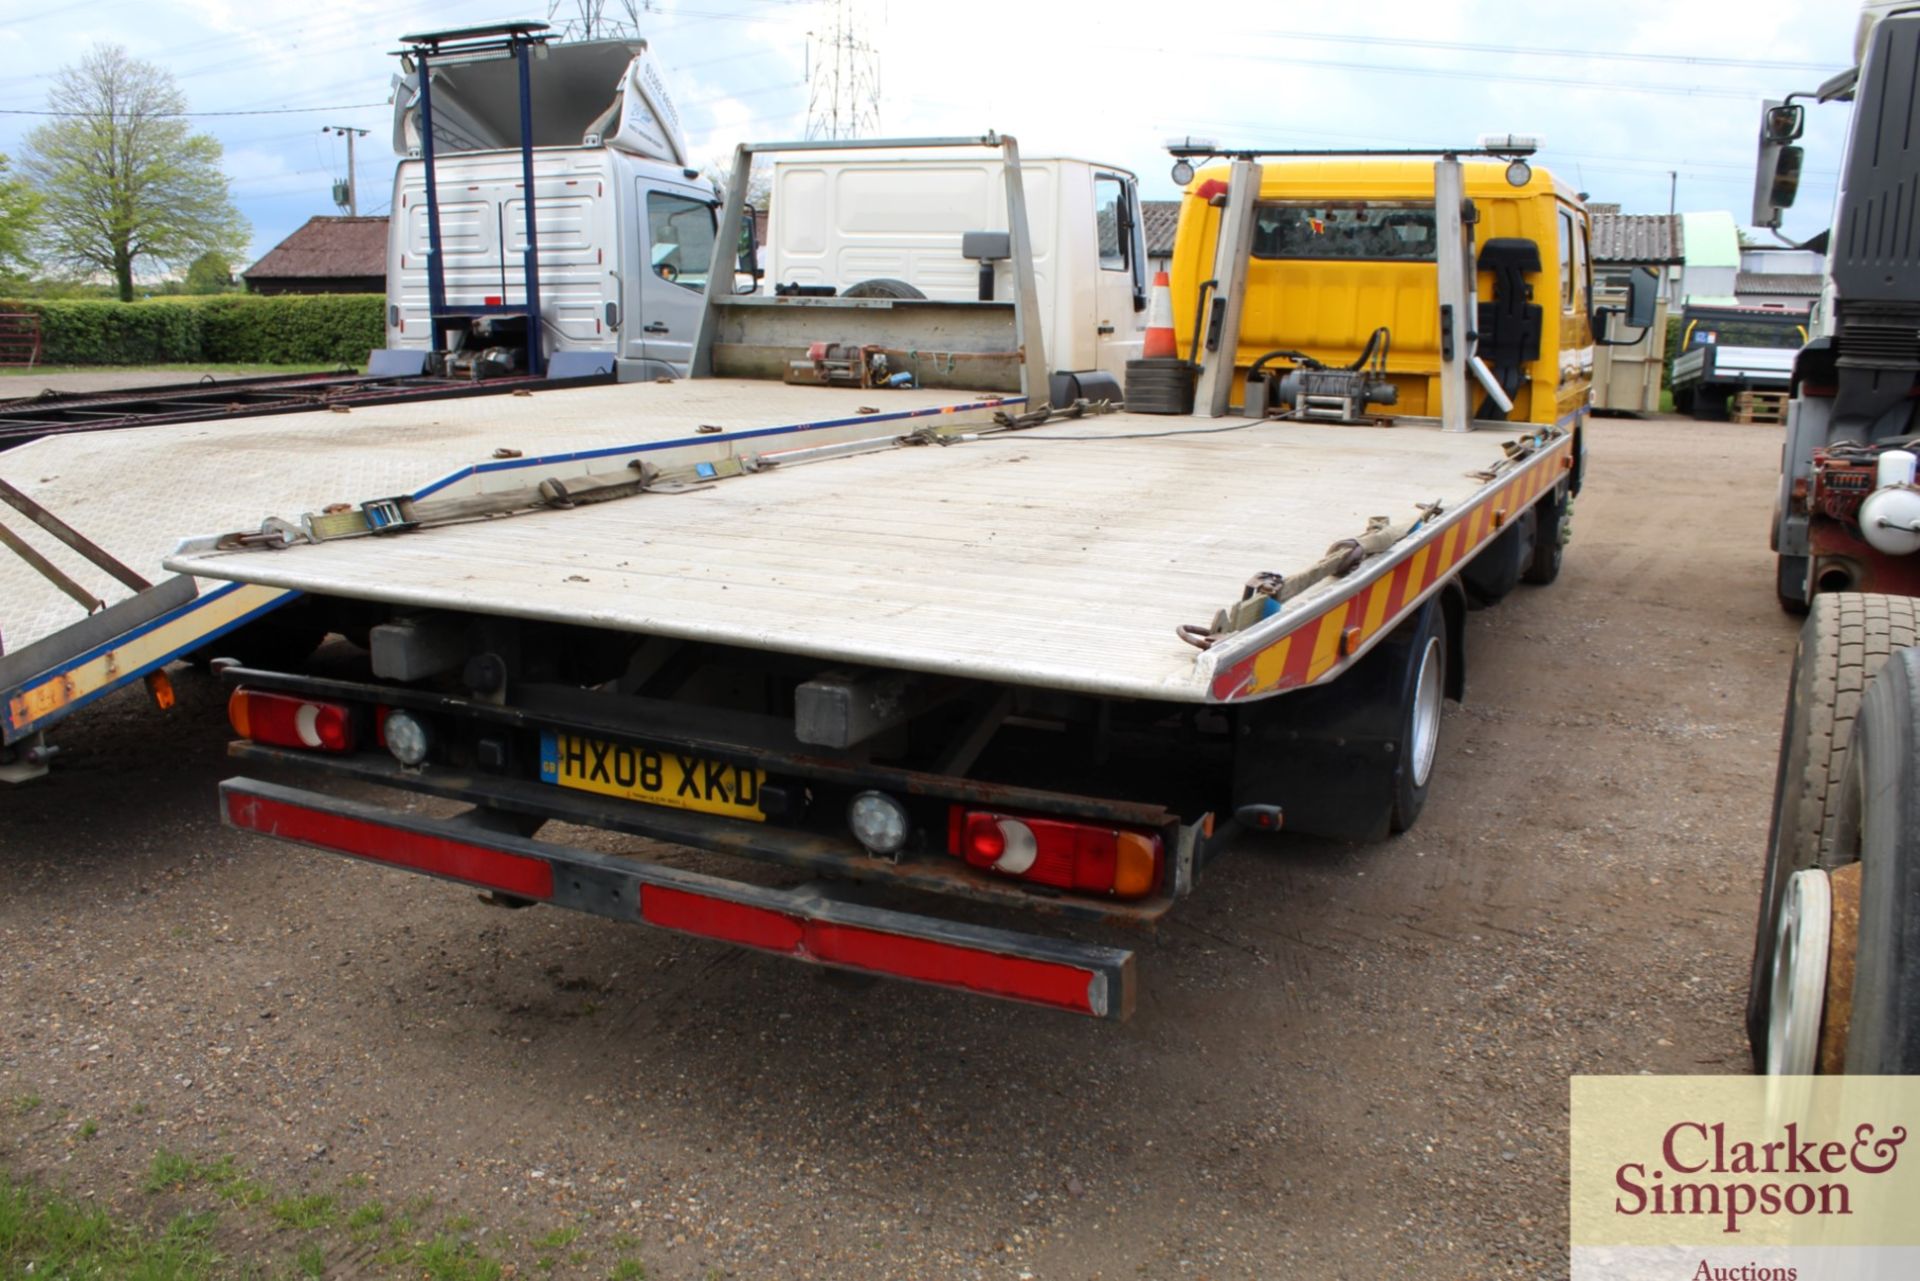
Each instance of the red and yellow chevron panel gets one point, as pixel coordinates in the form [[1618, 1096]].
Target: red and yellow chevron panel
[[1321, 643]]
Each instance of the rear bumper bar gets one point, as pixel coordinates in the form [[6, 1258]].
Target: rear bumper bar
[[803, 923]]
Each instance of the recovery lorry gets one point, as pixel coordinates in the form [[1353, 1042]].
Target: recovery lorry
[[960, 647], [1835, 980]]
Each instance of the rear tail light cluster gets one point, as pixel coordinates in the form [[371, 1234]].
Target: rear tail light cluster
[[287, 720], [1087, 858]]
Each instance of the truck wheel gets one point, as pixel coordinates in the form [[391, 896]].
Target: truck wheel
[[1496, 571], [1420, 723], [1683, 401], [1790, 583], [1554, 529], [1710, 404], [881, 287], [1847, 637], [1879, 822]]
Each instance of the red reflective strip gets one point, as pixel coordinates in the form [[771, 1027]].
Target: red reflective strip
[[719, 918], [1400, 592], [1066, 987], [496, 869]]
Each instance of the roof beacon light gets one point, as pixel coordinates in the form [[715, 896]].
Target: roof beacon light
[[1512, 144]]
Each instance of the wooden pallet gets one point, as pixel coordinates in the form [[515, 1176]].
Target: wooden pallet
[[1762, 407]]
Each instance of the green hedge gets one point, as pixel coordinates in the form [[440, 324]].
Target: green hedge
[[283, 330], [1674, 331]]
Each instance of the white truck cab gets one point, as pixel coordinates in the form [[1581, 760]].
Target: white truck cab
[[844, 220], [624, 228]]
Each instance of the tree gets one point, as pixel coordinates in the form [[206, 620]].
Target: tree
[[211, 273], [19, 211], [123, 178]]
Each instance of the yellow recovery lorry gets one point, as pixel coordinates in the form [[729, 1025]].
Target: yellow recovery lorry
[[918, 647]]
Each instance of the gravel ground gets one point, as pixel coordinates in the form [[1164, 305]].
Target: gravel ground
[[1347, 1061]]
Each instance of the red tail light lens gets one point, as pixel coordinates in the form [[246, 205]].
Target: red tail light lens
[[287, 720], [1088, 858]]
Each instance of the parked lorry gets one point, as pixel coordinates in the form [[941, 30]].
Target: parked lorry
[[1726, 350], [965, 647], [1835, 981]]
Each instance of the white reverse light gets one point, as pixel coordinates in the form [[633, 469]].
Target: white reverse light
[[879, 823], [406, 737]]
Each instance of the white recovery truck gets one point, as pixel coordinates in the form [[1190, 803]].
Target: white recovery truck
[[898, 647]]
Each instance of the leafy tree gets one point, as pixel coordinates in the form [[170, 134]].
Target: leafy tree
[[19, 210], [211, 273], [123, 179]]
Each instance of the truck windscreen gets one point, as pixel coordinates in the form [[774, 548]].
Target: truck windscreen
[[1404, 232]]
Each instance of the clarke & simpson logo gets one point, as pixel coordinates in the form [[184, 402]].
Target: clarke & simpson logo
[[1736, 1178], [1705, 1172]]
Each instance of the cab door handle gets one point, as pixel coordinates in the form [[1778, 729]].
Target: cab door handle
[[657, 327], [1104, 329]]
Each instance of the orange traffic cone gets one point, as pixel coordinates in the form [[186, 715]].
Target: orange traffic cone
[[1159, 343]]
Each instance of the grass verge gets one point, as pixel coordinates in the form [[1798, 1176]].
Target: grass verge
[[49, 1234]]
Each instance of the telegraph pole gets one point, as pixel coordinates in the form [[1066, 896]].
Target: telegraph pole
[[1673, 189], [349, 133]]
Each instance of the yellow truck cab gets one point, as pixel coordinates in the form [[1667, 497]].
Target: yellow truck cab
[[1343, 247]]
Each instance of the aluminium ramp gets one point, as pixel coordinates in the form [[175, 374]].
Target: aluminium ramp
[[136, 492], [1062, 556]]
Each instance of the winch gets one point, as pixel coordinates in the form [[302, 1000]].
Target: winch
[[1316, 390]]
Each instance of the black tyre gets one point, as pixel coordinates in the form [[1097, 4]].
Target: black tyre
[[1879, 820], [1496, 571], [881, 287], [1790, 583], [1554, 517], [1421, 717], [1683, 401], [1846, 639], [1162, 385]]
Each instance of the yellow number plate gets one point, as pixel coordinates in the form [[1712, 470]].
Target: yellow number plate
[[673, 779]]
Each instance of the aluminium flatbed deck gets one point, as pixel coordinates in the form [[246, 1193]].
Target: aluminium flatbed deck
[[136, 492], [1062, 556]]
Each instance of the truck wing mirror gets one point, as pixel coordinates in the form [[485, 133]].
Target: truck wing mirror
[[986, 248], [1776, 170], [748, 258], [1643, 296], [1643, 291], [1783, 123]]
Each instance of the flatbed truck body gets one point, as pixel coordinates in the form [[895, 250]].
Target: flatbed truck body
[[984, 649], [136, 492]]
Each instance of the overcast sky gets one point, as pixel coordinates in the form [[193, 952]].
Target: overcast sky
[[1622, 93]]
